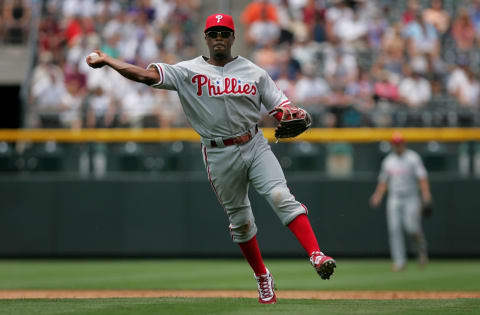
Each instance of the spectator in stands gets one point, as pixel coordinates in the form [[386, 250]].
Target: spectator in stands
[[414, 90], [463, 31], [393, 40], [361, 90], [261, 21], [377, 27], [46, 91], [474, 10], [338, 103], [306, 52], [339, 11], [391, 57], [411, 12], [351, 32], [311, 90], [139, 108], [422, 38], [170, 109], [72, 72], [468, 95], [463, 85], [318, 29], [340, 68], [105, 10], [285, 84], [71, 106], [267, 58], [389, 63], [384, 89], [437, 16], [147, 47], [286, 21], [297, 7], [79, 8], [259, 10], [16, 20], [314, 20], [292, 65], [77, 28], [101, 109], [49, 34], [385, 97], [458, 77]]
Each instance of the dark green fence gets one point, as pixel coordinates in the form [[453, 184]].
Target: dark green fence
[[175, 214]]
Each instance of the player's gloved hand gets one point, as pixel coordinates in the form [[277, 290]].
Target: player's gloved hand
[[293, 121], [427, 209]]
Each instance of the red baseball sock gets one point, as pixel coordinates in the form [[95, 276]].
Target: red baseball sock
[[300, 226], [251, 251]]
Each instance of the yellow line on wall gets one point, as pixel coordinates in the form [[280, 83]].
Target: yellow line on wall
[[187, 134]]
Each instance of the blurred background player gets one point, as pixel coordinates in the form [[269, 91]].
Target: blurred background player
[[402, 172]]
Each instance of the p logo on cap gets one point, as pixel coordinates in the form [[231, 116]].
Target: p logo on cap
[[219, 19]]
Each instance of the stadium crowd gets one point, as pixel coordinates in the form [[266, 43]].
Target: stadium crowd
[[372, 63], [350, 63], [64, 90]]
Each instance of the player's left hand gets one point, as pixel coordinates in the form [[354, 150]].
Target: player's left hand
[[293, 121]]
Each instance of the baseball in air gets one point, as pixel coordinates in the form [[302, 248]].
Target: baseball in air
[[93, 56]]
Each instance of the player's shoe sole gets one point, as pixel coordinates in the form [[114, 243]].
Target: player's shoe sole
[[326, 269]]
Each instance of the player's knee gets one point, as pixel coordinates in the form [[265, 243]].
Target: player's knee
[[243, 232], [279, 195]]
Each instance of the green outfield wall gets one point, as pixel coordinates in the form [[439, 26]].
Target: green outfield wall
[[178, 215]]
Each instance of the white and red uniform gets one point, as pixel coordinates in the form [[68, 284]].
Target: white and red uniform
[[222, 103], [402, 174]]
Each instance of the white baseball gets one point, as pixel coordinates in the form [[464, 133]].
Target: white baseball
[[93, 56]]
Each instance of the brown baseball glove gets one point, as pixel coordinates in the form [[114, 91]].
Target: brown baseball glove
[[293, 121]]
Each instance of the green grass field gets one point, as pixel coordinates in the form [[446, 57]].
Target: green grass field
[[169, 274]]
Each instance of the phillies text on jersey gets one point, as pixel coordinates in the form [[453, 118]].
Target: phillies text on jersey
[[229, 86], [220, 101]]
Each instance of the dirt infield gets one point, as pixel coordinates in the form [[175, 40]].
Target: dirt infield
[[318, 295]]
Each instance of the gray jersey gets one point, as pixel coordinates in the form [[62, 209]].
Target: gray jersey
[[220, 101], [402, 172]]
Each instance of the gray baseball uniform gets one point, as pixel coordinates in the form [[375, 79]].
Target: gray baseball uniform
[[402, 173], [222, 103]]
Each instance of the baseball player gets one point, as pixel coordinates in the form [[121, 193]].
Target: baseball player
[[402, 172], [222, 96]]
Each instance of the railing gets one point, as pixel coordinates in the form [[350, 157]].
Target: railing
[[187, 134]]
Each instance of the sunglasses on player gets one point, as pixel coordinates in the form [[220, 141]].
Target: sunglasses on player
[[222, 34]]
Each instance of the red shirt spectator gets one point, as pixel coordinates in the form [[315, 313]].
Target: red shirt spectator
[[259, 11], [412, 10], [73, 29]]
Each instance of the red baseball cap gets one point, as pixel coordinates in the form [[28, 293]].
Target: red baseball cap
[[397, 138], [219, 19]]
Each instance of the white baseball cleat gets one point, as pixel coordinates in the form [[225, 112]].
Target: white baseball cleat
[[266, 287], [324, 265]]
